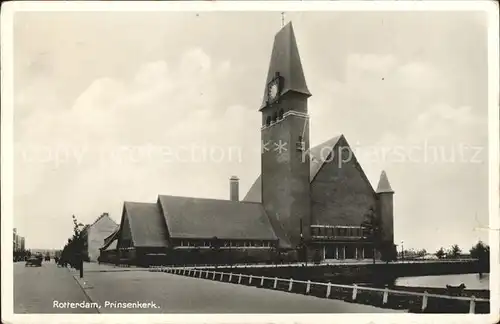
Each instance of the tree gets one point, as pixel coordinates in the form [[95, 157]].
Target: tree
[[455, 251], [481, 252], [72, 252], [372, 230], [421, 253], [440, 253]]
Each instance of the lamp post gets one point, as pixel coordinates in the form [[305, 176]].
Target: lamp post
[[402, 251]]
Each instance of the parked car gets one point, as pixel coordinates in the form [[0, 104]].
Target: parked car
[[34, 262]]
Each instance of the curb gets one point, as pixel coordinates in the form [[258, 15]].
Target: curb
[[84, 289]]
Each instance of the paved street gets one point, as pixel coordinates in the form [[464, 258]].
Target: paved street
[[36, 288], [179, 294]]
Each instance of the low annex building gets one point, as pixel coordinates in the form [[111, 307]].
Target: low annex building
[[309, 199]]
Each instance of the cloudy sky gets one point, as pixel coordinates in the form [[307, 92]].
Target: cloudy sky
[[101, 96]]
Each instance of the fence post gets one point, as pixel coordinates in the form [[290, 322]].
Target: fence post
[[250, 280], [230, 276], [290, 285], [206, 272], [239, 279], [213, 276], [386, 295], [308, 288], [275, 282], [472, 306], [328, 289], [262, 281], [424, 301], [200, 274], [354, 292], [221, 276]]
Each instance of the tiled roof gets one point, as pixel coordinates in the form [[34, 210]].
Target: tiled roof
[[188, 217], [147, 224], [318, 155]]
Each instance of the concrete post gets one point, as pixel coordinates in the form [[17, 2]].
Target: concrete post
[[354, 292], [328, 290], [424, 301], [290, 285], [386, 295], [308, 288], [213, 276], [239, 279], [221, 276], [472, 306], [275, 283], [262, 281], [206, 274], [250, 280], [230, 277]]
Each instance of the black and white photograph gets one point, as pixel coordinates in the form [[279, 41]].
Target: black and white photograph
[[267, 159]]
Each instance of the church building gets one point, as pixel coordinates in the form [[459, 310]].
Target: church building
[[314, 199]]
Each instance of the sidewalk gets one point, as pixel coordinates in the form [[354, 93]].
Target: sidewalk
[[96, 267]]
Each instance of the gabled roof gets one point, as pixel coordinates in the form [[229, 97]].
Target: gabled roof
[[112, 246], [285, 60], [383, 184], [188, 217], [147, 225], [318, 156], [111, 238], [101, 217]]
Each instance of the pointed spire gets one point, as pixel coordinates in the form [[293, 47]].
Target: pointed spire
[[285, 60], [383, 184]]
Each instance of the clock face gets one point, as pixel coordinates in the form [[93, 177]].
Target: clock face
[[273, 91]]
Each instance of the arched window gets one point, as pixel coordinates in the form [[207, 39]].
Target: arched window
[[268, 121], [280, 116]]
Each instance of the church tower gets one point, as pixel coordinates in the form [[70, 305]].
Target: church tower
[[285, 140]]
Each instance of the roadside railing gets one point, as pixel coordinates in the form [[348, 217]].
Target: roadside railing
[[352, 293]]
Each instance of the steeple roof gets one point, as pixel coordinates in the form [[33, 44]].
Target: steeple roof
[[285, 60], [383, 184]]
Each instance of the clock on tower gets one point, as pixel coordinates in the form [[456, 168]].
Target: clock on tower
[[274, 89]]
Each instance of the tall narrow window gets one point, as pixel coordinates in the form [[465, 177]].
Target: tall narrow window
[[301, 144]]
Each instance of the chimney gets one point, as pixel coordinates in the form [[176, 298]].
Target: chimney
[[234, 188]]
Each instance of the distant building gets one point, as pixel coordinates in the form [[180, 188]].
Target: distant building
[[17, 241], [95, 234]]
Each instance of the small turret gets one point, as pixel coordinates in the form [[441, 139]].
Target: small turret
[[385, 196]]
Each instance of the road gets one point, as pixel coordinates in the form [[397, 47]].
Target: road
[[178, 294], [36, 289]]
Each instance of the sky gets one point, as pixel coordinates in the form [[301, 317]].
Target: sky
[[122, 106]]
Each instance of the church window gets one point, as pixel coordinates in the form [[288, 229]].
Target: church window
[[280, 115], [268, 120]]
